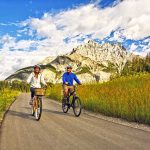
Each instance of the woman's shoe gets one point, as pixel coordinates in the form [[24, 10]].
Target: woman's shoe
[[31, 102]]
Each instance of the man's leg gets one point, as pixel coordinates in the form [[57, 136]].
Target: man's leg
[[65, 89], [71, 89]]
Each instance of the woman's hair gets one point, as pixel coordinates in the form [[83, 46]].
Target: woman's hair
[[37, 66]]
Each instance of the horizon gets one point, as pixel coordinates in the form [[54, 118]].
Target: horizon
[[31, 31]]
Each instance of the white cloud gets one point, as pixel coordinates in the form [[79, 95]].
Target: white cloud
[[132, 17], [144, 47], [133, 47], [143, 53], [90, 19], [10, 61]]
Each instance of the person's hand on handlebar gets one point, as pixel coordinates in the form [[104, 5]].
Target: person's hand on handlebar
[[66, 83]]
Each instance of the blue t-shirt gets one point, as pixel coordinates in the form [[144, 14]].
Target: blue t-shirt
[[70, 77]]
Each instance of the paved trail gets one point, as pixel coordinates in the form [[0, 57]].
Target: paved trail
[[58, 131]]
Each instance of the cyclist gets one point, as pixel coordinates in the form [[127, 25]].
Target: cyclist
[[35, 80], [68, 78]]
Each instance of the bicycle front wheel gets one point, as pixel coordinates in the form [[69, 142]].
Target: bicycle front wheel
[[32, 110], [65, 107], [38, 110], [77, 108]]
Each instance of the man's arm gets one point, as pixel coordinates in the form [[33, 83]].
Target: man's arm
[[76, 79], [64, 79], [29, 78]]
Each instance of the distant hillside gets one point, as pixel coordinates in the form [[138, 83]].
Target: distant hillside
[[91, 61]]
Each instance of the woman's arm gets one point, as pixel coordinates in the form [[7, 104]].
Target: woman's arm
[[29, 78]]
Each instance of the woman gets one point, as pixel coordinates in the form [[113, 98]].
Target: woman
[[35, 80]]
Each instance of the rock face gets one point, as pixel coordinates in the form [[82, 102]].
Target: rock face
[[104, 54], [47, 60], [91, 62]]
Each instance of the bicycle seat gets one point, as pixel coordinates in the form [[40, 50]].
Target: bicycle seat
[[71, 93]]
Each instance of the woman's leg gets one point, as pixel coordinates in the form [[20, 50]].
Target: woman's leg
[[32, 95], [32, 92]]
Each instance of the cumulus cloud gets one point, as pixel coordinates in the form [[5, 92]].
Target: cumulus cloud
[[18, 54], [128, 20], [128, 15], [58, 33]]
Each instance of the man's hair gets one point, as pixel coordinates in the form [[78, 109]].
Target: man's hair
[[69, 67]]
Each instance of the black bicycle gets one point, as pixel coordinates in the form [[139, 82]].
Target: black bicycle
[[72, 101]]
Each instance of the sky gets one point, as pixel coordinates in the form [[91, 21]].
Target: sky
[[31, 30]]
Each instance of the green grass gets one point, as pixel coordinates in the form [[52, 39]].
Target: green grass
[[7, 96], [125, 97], [8, 92]]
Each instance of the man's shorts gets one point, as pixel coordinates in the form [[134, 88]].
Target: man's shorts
[[68, 88]]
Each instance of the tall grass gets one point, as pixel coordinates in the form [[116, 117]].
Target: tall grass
[[125, 97], [7, 96], [8, 92]]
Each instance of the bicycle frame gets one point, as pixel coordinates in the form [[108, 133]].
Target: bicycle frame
[[37, 104], [72, 94], [36, 107], [35, 101]]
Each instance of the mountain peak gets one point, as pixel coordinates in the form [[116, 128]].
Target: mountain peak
[[100, 52]]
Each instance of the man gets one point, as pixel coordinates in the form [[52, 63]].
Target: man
[[68, 78], [35, 80]]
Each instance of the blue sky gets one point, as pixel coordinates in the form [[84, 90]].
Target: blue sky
[[31, 30], [14, 11], [17, 10]]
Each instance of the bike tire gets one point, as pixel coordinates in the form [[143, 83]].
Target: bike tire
[[38, 111], [76, 102], [32, 111], [65, 107]]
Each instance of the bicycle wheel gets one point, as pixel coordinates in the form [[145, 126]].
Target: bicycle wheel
[[77, 108], [65, 107], [38, 110], [32, 110]]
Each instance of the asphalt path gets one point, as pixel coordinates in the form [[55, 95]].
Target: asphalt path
[[59, 131]]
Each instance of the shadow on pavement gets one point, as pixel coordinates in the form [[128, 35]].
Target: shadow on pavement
[[53, 111], [57, 112], [21, 114]]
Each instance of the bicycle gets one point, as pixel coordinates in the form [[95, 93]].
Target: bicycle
[[75, 103], [36, 108]]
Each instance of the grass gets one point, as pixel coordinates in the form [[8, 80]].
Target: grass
[[125, 97], [7, 96]]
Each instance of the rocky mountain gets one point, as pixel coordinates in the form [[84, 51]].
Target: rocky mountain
[[91, 62]]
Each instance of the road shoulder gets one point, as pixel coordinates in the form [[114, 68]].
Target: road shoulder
[[112, 119]]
